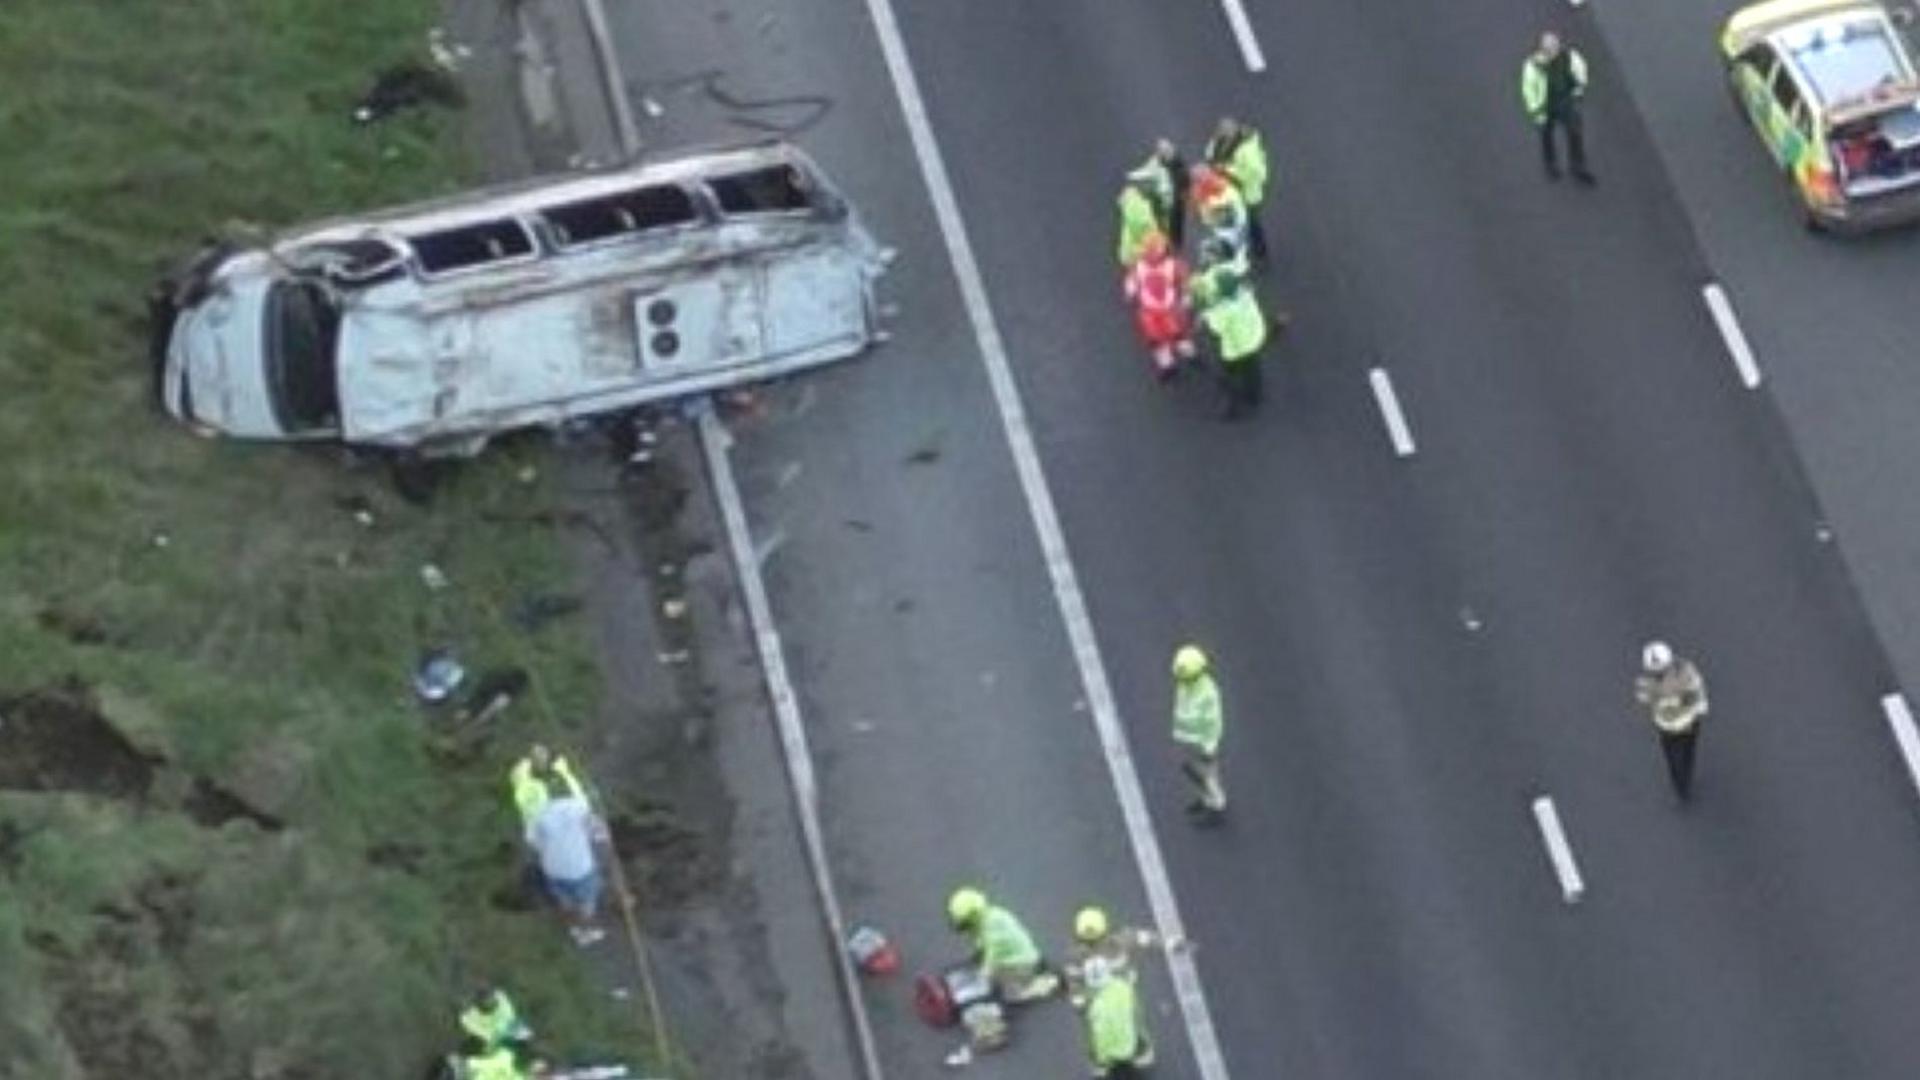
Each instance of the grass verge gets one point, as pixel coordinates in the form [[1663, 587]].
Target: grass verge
[[230, 842]]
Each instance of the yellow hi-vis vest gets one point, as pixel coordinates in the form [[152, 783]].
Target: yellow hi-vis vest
[[1198, 720], [500, 1064], [1245, 164], [1113, 1024], [1004, 942], [1234, 317], [530, 792], [1138, 220], [498, 1023]]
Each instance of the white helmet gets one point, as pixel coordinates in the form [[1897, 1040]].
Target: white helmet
[[1656, 656]]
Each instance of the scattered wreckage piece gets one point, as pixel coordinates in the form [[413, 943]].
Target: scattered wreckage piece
[[431, 328]]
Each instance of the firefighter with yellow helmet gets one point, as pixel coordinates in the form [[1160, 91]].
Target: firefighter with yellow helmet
[[1103, 951], [1198, 724], [1005, 951], [1008, 958]]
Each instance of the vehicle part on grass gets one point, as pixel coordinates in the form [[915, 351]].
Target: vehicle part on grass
[[438, 675], [431, 328]]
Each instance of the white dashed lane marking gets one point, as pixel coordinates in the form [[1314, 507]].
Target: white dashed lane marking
[[1900, 718], [1559, 850], [1396, 418], [1250, 53], [1722, 310]]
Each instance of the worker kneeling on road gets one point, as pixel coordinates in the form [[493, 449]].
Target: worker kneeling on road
[[1008, 960], [1117, 1040], [1002, 947]]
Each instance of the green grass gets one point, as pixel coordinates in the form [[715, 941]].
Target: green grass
[[266, 644]]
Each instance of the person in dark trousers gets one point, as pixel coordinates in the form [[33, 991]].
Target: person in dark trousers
[[1553, 83], [1224, 297], [1674, 693]]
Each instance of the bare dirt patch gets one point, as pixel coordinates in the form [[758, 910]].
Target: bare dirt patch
[[211, 805], [669, 862], [99, 1013], [78, 627], [56, 740]]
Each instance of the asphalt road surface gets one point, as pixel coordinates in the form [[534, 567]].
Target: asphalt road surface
[[1413, 649], [1834, 321]]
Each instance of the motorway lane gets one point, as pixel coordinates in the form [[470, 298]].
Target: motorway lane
[[1590, 471], [942, 704], [1834, 322]]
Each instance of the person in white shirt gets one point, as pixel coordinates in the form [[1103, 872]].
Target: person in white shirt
[[564, 834]]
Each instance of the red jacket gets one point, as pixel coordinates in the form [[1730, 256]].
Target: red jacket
[[1158, 290]]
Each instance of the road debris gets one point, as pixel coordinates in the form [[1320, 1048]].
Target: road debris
[[872, 953]]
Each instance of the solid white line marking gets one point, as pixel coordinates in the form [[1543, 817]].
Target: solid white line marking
[[1053, 546], [1397, 428], [614, 86], [1900, 718], [714, 444], [1730, 332], [1250, 53], [715, 441], [1561, 852]]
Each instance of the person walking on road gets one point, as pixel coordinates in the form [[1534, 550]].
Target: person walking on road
[[1674, 693], [1231, 311], [1553, 84], [1198, 724], [1164, 179], [1117, 1040], [1238, 152]]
